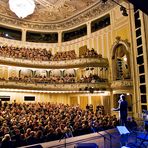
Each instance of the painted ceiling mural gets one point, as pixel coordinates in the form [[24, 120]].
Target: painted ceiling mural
[[55, 14]]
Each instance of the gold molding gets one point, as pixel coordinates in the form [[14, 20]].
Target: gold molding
[[52, 87], [75, 63]]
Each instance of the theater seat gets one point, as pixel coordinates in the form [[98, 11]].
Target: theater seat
[[86, 145]]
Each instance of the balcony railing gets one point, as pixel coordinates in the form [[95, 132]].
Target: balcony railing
[[53, 87], [74, 63], [122, 84]]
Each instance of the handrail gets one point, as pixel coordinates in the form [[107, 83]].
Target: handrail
[[54, 87], [74, 63]]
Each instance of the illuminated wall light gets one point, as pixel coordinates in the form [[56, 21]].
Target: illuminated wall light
[[125, 58]]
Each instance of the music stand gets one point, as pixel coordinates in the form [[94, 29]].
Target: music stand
[[124, 132]]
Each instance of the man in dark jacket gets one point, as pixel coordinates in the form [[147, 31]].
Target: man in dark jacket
[[123, 107]]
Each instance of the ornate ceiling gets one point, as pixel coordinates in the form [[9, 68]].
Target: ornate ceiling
[[55, 14]]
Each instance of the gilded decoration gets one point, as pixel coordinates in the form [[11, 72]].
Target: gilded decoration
[[53, 87], [82, 62], [55, 14], [122, 84]]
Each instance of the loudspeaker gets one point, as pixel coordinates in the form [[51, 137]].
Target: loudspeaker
[[86, 145]]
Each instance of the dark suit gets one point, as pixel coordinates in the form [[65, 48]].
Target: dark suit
[[123, 112], [123, 105]]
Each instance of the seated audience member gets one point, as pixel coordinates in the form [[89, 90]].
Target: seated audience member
[[6, 142], [131, 124], [31, 139]]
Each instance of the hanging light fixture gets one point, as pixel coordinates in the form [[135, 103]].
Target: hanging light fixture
[[122, 8], [22, 8]]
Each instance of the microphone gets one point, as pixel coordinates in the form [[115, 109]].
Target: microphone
[[71, 128], [92, 128]]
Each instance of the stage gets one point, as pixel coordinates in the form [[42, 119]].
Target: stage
[[103, 139]]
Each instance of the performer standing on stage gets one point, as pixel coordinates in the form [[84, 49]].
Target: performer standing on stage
[[122, 108]]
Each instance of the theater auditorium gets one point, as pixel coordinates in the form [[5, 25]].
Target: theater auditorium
[[73, 74]]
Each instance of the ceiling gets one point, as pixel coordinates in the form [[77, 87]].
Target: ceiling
[[51, 10], [55, 14]]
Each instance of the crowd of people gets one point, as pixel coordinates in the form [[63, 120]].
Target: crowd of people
[[25, 124], [39, 54], [66, 55], [92, 78], [56, 79], [90, 53], [25, 53]]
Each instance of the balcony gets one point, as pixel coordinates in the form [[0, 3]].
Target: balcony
[[121, 84], [74, 63], [5, 84]]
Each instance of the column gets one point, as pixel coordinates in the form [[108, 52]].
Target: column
[[79, 100], [59, 38], [24, 35], [88, 29], [111, 101], [89, 99]]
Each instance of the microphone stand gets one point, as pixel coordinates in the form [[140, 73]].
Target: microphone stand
[[63, 137], [66, 135], [104, 137], [110, 138]]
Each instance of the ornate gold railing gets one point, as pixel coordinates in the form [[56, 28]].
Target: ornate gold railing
[[74, 63], [122, 84], [52, 87]]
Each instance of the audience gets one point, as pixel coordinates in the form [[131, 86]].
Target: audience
[[25, 53], [24, 124], [131, 124], [56, 79], [92, 78], [38, 54], [66, 55], [90, 53], [6, 142]]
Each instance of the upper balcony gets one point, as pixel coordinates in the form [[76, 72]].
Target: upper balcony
[[43, 58]]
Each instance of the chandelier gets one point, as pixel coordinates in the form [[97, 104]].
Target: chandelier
[[22, 8]]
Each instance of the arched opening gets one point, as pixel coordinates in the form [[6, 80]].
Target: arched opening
[[121, 64]]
